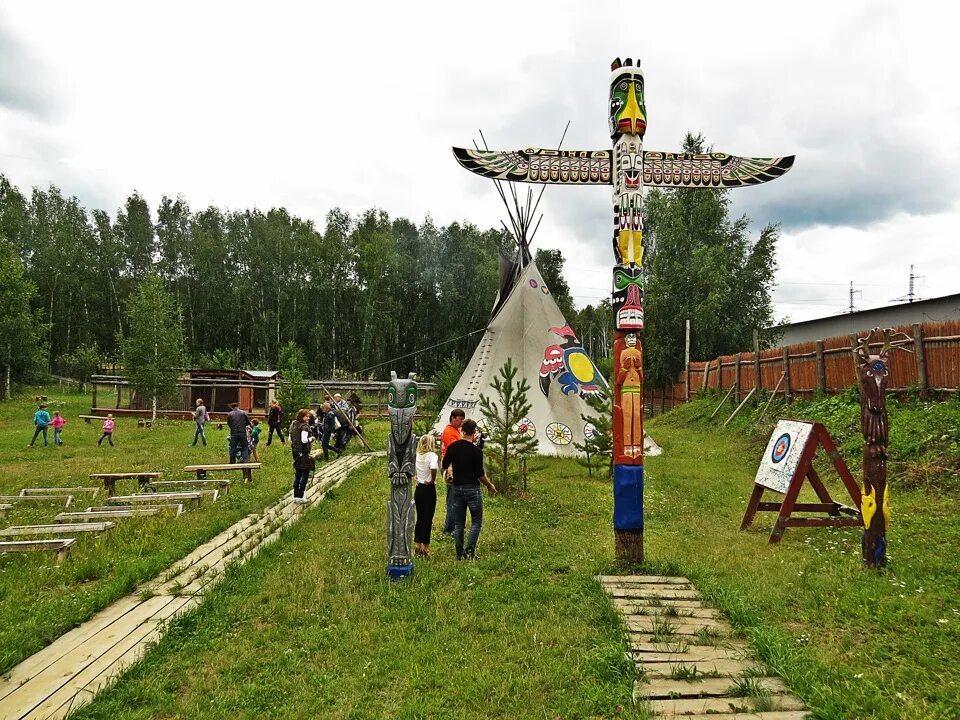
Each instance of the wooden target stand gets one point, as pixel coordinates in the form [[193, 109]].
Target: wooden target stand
[[784, 470]]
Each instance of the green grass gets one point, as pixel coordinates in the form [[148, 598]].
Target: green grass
[[312, 628], [850, 642], [39, 601]]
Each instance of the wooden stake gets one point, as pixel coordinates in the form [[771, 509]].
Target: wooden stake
[[772, 396], [686, 361], [821, 370], [721, 403], [740, 406], [921, 360]]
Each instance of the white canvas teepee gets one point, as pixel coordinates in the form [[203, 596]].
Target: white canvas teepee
[[528, 327]]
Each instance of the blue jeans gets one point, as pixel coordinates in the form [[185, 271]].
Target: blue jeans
[[300, 479], [466, 496], [40, 429], [448, 518], [239, 448], [199, 434], [56, 436]]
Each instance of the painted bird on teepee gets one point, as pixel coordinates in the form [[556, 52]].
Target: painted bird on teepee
[[569, 364]]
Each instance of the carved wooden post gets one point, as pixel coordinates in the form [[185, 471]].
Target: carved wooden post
[[873, 371], [736, 379], [401, 467]]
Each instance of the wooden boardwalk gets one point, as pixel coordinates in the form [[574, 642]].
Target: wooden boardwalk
[[70, 671], [689, 664]]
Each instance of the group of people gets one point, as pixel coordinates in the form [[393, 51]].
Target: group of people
[[42, 422], [337, 419], [461, 462]]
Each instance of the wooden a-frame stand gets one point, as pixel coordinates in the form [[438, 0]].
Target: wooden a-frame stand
[[839, 515]]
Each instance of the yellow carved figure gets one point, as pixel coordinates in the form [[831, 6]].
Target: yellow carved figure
[[886, 506], [632, 111], [630, 243], [868, 506]]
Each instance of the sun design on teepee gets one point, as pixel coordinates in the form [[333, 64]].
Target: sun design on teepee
[[559, 434], [525, 428]]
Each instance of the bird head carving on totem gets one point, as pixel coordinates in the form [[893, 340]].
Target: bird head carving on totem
[[874, 369], [628, 114], [402, 405]]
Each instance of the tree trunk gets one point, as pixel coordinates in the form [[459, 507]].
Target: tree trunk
[[6, 387], [154, 416]]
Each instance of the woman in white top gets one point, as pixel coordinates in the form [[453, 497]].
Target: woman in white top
[[425, 496]]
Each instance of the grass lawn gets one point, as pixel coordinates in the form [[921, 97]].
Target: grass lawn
[[311, 627], [39, 601]]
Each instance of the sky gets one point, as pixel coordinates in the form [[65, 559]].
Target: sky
[[356, 105]]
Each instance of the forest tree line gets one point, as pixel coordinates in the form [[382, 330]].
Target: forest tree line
[[354, 294], [360, 296]]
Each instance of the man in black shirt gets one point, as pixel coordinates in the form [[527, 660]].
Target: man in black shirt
[[237, 421], [274, 418], [467, 462]]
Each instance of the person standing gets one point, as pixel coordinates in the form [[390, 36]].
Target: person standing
[[274, 418], [58, 422], [303, 462], [108, 425], [466, 459], [41, 418], [237, 421], [328, 428], [425, 495], [200, 416], [255, 430], [451, 433]]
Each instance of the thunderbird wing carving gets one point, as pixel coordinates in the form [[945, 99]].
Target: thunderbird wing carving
[[535, 165], [714, 170]]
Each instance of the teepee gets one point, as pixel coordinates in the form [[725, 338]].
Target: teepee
[[527, 326]]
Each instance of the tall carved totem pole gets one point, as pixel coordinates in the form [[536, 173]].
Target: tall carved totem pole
[[628, 167], [875, 502], [401, 467]]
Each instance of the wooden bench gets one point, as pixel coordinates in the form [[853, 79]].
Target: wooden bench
[[88, 418], [151, 498], [28, 492], [59, 545], [145, 423], [109, 480], [14, 499], [22, 530], [246, 468], [220, 484], [174, 507], [115, 512], [4, 509]]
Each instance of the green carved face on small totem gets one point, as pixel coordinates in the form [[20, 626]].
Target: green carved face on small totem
[[628, 114], [402, 393]]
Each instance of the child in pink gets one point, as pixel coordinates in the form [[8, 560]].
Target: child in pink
[[58, 422], [107, 430]]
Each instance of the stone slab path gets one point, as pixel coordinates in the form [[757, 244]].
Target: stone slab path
[[689, 663], [70, 671]]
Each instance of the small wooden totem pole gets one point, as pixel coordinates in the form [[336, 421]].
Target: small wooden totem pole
[[401, 467], [875, 503]]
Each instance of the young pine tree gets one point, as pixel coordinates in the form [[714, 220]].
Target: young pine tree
[[599, 448], [503, 412]]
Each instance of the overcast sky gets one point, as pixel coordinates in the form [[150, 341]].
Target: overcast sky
[[312, 106]]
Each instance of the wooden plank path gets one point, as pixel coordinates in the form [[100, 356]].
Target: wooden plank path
[[690, 664], [69, 672]]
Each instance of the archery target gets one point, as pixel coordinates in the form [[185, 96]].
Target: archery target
[[783, 453]]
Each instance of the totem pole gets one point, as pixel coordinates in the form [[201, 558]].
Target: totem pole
[[628, 167], [872, 379], [401, 467]]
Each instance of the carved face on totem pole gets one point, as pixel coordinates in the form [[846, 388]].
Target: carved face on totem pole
[[402, 405], [628, 114], [628, 297]]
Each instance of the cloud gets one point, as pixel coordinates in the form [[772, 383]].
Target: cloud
[[21, 84]]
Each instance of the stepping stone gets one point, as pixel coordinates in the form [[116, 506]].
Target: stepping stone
[[26, 492], [21, 530], [623, 580], [776, 715], [785, 707], [708, 687], [717, 668], [693, 653]]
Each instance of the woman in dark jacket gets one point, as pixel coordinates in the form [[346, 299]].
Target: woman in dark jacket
[[300, 440]]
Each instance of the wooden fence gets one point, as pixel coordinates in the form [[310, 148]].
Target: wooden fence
[[825, 366]]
